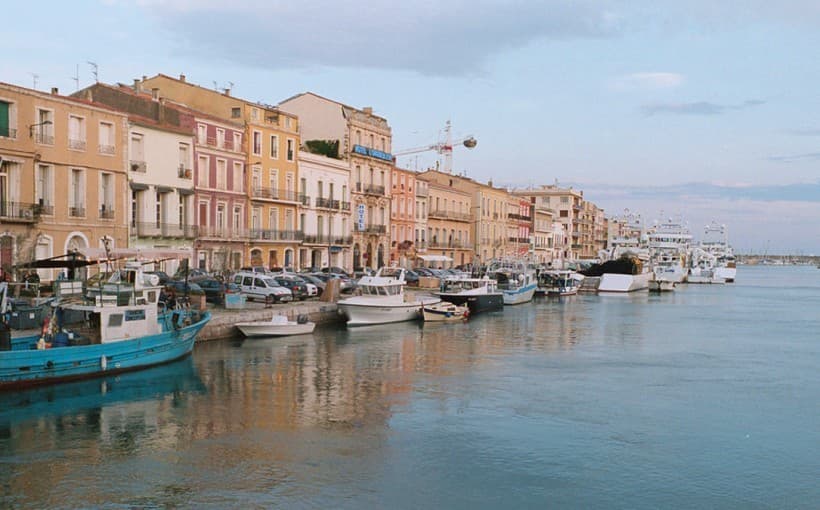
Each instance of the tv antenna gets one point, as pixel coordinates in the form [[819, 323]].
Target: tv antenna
[[94, 70], [34, 77], [76, 77]]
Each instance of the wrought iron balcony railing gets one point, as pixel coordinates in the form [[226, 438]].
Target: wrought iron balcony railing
[[19, 212], [44, 138], [107, 149], [106, 213], [276, 235], [274, 194], [138, 166], [76, 212]]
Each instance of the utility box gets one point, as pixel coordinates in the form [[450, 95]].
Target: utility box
[[235, 301]]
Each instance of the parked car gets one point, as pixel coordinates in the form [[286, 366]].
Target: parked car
[[335, 269], [423, 271], [411, 277], [181, 287], [315, 280], [310, 287], [296, 287], [214, 289], [254, 269], [163, 276], [258, 286]]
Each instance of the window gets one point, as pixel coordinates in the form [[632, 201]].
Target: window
[[76, 132], [106, 196], [291, 150], [183, 210], [372, 144], [237, 142], [257, 143], [274, 147], [137, 148], [236, 112], [76, 198], [254, 113], [220, 218], [220, 138], [256, 214], [44, 133], [256, 179], [237, 218], [320, 189], [184, 154], [203, 172], [273, 218], [135, 208], [358, 137], [221, 174], [201, 134], [238, 181], [158, 209], [564, 200], [289, 178], [330, 191], [384, 146], [106, 138], [7, 120], [45, 188]]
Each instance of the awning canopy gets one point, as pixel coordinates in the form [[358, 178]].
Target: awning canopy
[[435, 258], [138, 253], [70, 261]]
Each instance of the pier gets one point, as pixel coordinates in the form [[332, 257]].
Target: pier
[[222, 322]]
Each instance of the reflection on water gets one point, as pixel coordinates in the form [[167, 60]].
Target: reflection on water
[[574, 402]]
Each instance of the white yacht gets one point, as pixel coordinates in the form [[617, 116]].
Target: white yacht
[[516, 280], [627, 268], [703, 268], [669, 244], [716, 242], [381, 300]]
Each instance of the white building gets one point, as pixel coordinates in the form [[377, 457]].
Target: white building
[[325, 213]]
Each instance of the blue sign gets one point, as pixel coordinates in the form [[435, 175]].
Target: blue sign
[[373, 153], [360, 216]]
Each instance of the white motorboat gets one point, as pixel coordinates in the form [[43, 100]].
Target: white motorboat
[[559, 282], [669, 244], [661, 285], [381, 300], [444, 312], [627, 269], [516, 280], [479, 294], [716, 242], [278, 325]]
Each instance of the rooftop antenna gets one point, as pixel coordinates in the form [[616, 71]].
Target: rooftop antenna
[[34, 77], [94, 70], [76, 77], [216, 85]]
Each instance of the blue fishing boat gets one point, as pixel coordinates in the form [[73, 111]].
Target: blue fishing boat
[[89, 335], [516, 280]]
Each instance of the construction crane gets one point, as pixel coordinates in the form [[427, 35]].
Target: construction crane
[[445, 148]]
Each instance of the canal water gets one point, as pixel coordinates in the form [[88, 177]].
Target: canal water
[[708, 397]]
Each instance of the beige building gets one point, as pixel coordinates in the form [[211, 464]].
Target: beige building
[[63, 179], [364, 140], [403, 249], [449, 223], [271, 171]]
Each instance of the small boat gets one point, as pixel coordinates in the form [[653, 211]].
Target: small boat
[[278, 325], [107, 334], [478, 294], [661, 285], [558, 283], [444, 312], [516, 280], [382, 300]]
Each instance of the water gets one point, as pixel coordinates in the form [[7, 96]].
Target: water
[[705, 398]]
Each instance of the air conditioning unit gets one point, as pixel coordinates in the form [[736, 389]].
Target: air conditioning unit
[[27, 214]]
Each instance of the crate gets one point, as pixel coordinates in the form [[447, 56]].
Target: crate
[[26, 317]]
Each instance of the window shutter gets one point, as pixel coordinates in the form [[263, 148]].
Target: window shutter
[[4, 118]]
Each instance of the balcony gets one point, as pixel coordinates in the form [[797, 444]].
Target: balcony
[[106, 213], [107, 149], [421, 193], [304, 200], [520, 217], [184, 173], [372, 189], [76, 212], [327, 203], [449, 215], [343, 240], [44, 208], [77, 145], [159, 229], [7, 132], [372, 229], [19, 212], [138, 166], [221, 233], [317, 239], [457, 245], [44, 138], [260, 193], [276, 235], [345, 206]]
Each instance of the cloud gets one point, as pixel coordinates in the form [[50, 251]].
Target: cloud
[[803, 132], [810, 156], [648, 80], [454, 37], [697, 108]]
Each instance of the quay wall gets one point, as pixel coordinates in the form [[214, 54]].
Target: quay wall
[[222, 323]]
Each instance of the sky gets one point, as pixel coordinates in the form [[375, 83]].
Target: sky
[[700, 109]]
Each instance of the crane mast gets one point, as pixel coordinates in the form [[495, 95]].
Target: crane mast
[[444, 148]]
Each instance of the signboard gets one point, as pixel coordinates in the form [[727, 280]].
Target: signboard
[[360, 217], [373, 153]]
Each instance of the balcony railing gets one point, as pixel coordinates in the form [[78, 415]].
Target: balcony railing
[[274, 194], [184, 173], [304, 200], [160, 229], [276, 235], [138, 166], [222, 233], [344, 240], [327, 203], [107, 149], [77, 145], [514, 216], [7, 132], [44, 138], [372, 189], [106, 213], [451, 215], [372, 229], [76, 212], [44, 208], [19, 212], [345, 206], [421, 192], [317, 239], [459, 245]]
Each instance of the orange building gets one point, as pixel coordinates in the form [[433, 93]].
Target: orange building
[[402, 217]]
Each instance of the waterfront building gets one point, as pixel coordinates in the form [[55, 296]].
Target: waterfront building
[[402, 217], [325, 213], [449, 224], [364, 140], [63, 176], [543, 235], [422, 193], [518, 214], [272, 142], [160, 169], [568, 203]]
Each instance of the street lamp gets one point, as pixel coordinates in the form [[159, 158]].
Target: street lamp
[[31, 127]]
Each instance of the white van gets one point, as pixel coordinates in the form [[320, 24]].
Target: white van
[[262, 287]]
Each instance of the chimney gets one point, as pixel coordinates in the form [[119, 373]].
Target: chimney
[[368, 110], [136, 85], [182, 78], [227, 92], [155, 93], [55, 91]]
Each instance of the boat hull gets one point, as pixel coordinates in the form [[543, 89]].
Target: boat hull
[[661, 286], [726, 273], [26, 367], [477, 303], [518, 296], [613, 282], [265, 328], [434, 313], [365, 314]]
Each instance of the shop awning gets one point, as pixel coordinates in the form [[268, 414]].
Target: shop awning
[[435, 258], [138, 253]]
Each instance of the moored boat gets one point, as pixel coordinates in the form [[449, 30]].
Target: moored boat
[[444, 312], [478, 294], [516, 280], [382, 300], [278, 325], [558, 283]]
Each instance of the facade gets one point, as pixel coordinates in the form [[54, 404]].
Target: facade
[[519, 226], [160, 169], [402, 217], [568, 204], [449, 224], [62, 176], [543, 245], [364, 141], [272, 142], [422, 193], [325, 216]]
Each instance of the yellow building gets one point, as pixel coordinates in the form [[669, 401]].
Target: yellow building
[[271, 169], [63, 180], [450, 224]]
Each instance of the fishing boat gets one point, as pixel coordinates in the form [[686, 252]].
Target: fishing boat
[[478, 294], [278, 325], [83, 338], [381, 300], [716, 242], [559, 282], [516, 280], [444, 312]]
